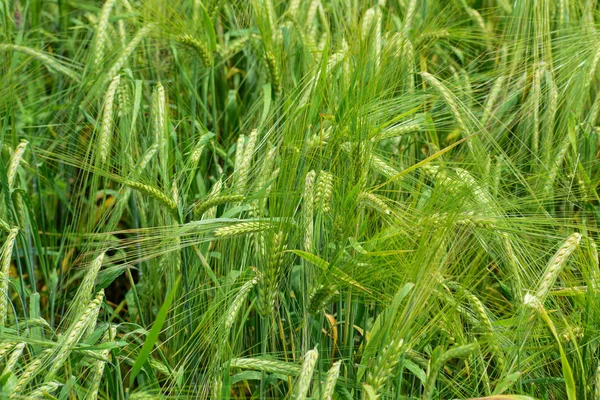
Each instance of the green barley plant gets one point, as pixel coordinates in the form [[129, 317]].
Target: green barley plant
[[324, 199]]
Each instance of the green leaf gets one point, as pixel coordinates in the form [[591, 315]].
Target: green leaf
[[324, 265], [507, 382], [209, 29], [153, 335], [416, 370], [376, 333], [566, 367]]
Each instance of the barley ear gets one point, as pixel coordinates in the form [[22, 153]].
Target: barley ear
[[13, 358], [74, 334], [245, 163], [274, 72], [4, 225], [266, 365], [212, 202], [156, 193], [293, 7], [271, 277], [5, 259], [556, 265], [374, 202], [139, 36], [105, 137], [384, 366], [320, 297], [215, 191], [308, 210], [306, 373], [324, 191], [450, 100], [332, 377], [85, 291], [101, 31], [15, 160], [199, 47], [98, 367], [5, 347], [44, 391], [242, 228], [237, 303], [28, 373], [44, 58], [437, 362]]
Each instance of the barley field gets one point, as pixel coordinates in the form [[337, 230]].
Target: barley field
[[301, 199]]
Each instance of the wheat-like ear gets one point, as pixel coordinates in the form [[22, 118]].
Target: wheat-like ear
[[237, 303], [244, 162], [44, 58], [556, 164], [105, 137], [154, 192], [13, 358], [15, 161], [124, 98], [382, 167], [74, 334], [239, 156], [215, 192], [266, 365], [293, 7], [101, 31], [4, 225], [437, 363], [332, 377], [308, 205], [139, 36], [85, 291], [5, 347], [271, 277], [306, 373], [28, 373], [215, 201], [198, 46], [492, 98], [144, 395], [5, 258], [556, 265], [320, 297], [324, 191], [310, 16], [242, 228], [334, 60], [44, 391], [384, 366], [98, 366], [195, 154], [482, 312], [450, 100], [396, 131], [371, 30], [159, 114], [375, 202], [409, 16], [274, 72], [266, 171]]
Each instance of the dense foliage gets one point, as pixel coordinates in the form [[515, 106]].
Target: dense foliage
[[325, 199]]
